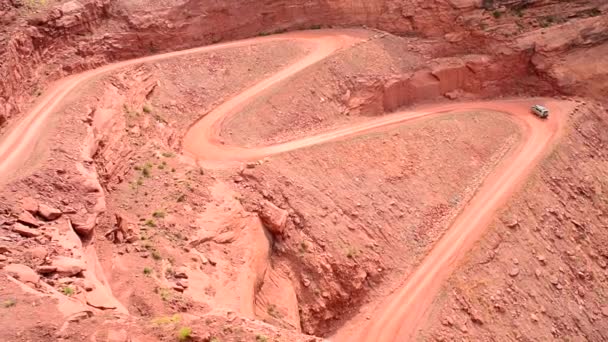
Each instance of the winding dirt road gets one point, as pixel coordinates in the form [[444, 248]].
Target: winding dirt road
[[398, 318]]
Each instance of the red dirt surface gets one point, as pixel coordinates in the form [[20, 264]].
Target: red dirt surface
[[303, 185]]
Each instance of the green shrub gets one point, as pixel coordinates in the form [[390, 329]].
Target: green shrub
[[9, 303], [68, 291], [184, 334], [261, 338], [159, 214]]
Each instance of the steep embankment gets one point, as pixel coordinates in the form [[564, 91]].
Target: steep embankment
[[539, 273]]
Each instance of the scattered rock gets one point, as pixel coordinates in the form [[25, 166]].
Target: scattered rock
[[181, 272], [534, 318], [99, 299], [23, 273], [79, 316], [541, 258], [3, 258], [605, 311], [30, 205], [46, 269], [65, 281], [183, 283], [306, 282], [25, 231], [68, 266], [447, 321], [88, 285], [28, 219], [554, 280], [83, 226], [177, 287], [273, 217], [48, 213], [513, 224], [514, 272]]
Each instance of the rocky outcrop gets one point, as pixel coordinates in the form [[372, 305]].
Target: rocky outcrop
[[44, 40], [273, 217], [452, 78]]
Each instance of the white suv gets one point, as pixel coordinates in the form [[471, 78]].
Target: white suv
[[540, 111]]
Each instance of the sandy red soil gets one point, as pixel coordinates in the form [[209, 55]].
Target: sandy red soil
[[135, 206]]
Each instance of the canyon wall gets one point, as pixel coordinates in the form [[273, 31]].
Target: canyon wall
[[40, 44]]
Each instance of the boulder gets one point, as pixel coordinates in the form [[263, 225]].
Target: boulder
[[181, 272], [83, 226], [48, 213], [25, 231], [46, 269], [273, 217], [28, 219], [68, 266], [23, 273]]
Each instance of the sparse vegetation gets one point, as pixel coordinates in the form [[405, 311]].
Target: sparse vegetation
[[273, 311], [168, 154], [214, 339], [167, 320], [9, 303], [146, 172], [181, 198], [303, 247], [158, 214], [261, 338], [147, 109], [315, 27], [147, 270], [150, 223], [165, 294], [351, 252], [594, 12], [156, 255], [67, 290], [36, 3], [184, 334], [497, 14]]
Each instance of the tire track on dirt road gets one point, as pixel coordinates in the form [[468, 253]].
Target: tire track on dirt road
[[402, 313]]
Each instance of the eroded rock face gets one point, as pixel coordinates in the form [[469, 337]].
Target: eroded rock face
[[62, 36], [23, 273], [68, 266], [48, 213], [273, 217]]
